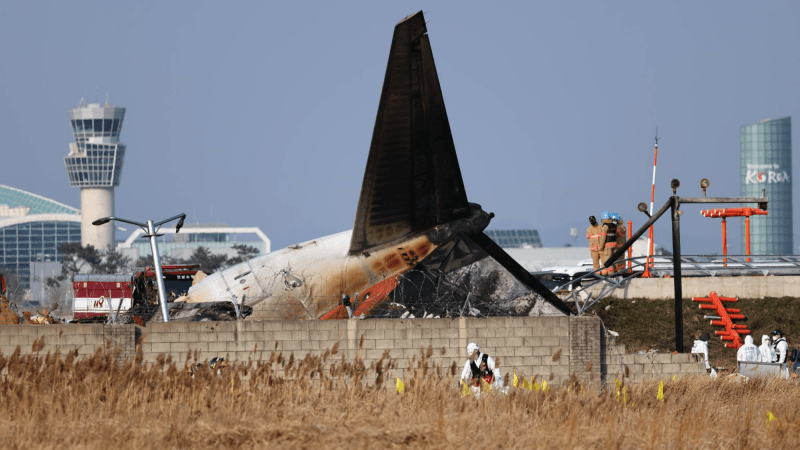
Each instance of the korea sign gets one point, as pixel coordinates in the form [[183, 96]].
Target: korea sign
[[765, 173]]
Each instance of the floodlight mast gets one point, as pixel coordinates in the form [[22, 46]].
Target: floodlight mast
[[152, 233]]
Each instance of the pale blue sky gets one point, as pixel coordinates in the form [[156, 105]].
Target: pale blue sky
[[262, 112]]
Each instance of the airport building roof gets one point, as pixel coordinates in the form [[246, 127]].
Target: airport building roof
[[18, 199]]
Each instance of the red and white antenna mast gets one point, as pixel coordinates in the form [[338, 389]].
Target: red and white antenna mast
[[646, 273]]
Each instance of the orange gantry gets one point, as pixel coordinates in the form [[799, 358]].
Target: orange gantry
[[724, 213], [732, 331]]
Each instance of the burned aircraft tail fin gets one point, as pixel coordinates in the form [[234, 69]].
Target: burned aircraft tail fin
[[412, 180]]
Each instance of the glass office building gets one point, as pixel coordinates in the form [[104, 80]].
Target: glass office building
[[515, 238], [766, 163], [32, 228]]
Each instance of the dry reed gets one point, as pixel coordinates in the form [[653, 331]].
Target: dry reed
[[57, 401]]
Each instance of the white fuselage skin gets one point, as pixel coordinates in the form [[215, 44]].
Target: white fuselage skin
[[306, 281]]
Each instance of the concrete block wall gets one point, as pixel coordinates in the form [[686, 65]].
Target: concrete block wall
[[742, 287], [650, 366], [585, 346], [526, 344], [551, 347], [84, 338]]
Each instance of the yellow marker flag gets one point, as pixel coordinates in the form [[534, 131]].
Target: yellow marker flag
[[516, 380], [399, 385], [624, 394], [486, 385], [660, 395], [674, 377], [526, 385], [770, 418], [465, 390], [544, 386], [535, 386]]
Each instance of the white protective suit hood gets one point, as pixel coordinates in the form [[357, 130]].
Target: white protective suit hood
[[472, 348], [748, 340], [764, 339]]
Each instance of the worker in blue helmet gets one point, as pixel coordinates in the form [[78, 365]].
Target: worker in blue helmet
[[622, 232], [610, 230]]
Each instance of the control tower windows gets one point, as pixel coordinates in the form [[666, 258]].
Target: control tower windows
[[98, 127], [114, 125], [107, 127], [87, 125]]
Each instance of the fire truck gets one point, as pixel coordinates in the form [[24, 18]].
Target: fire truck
[[100, 295]]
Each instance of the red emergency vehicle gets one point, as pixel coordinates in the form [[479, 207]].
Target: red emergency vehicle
[[101, 295]]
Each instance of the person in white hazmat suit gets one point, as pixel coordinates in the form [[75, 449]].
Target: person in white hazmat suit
[[748, 352], [779, 346], [700, 346], [765, 351], [480, 366]]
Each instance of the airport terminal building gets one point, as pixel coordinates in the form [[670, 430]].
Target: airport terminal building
[[515, 238], [766, 163], [218, 239], [32, 228]]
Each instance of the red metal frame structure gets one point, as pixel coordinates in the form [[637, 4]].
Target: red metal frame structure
[[734, 212], [732, 331]]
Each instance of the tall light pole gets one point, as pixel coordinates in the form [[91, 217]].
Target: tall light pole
[[152, 232]]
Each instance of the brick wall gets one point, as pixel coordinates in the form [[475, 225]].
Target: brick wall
[[527, 344]]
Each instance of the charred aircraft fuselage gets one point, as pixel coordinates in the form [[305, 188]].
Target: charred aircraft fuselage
[[413, 220]]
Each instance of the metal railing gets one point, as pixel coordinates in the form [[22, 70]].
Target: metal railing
[[578, 289]]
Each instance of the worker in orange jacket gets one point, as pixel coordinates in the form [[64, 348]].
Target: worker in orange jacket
[[610, 229], [597, 240], [622, 233]]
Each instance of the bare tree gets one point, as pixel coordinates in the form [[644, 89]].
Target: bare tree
[[208, 262], [80, 259], [243, 253], [13, 283]]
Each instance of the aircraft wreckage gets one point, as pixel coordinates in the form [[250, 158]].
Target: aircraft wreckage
[[417, 246]]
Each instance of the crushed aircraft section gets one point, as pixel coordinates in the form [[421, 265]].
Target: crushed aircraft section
[[417, 244]]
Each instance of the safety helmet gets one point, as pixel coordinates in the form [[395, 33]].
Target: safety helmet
[[592, 220], [614, 216], [777, 332], [472, 348], [215, 362], [705, 337], [605, 215]]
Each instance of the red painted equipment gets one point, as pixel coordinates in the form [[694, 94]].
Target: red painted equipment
[[734, 212], [732, 331]]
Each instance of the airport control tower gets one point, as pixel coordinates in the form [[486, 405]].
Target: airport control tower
[[94, 164]]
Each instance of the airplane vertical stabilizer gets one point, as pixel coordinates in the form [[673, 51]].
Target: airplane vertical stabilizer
[[412, 180]]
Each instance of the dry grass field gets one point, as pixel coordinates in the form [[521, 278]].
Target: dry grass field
[[61, 401]]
